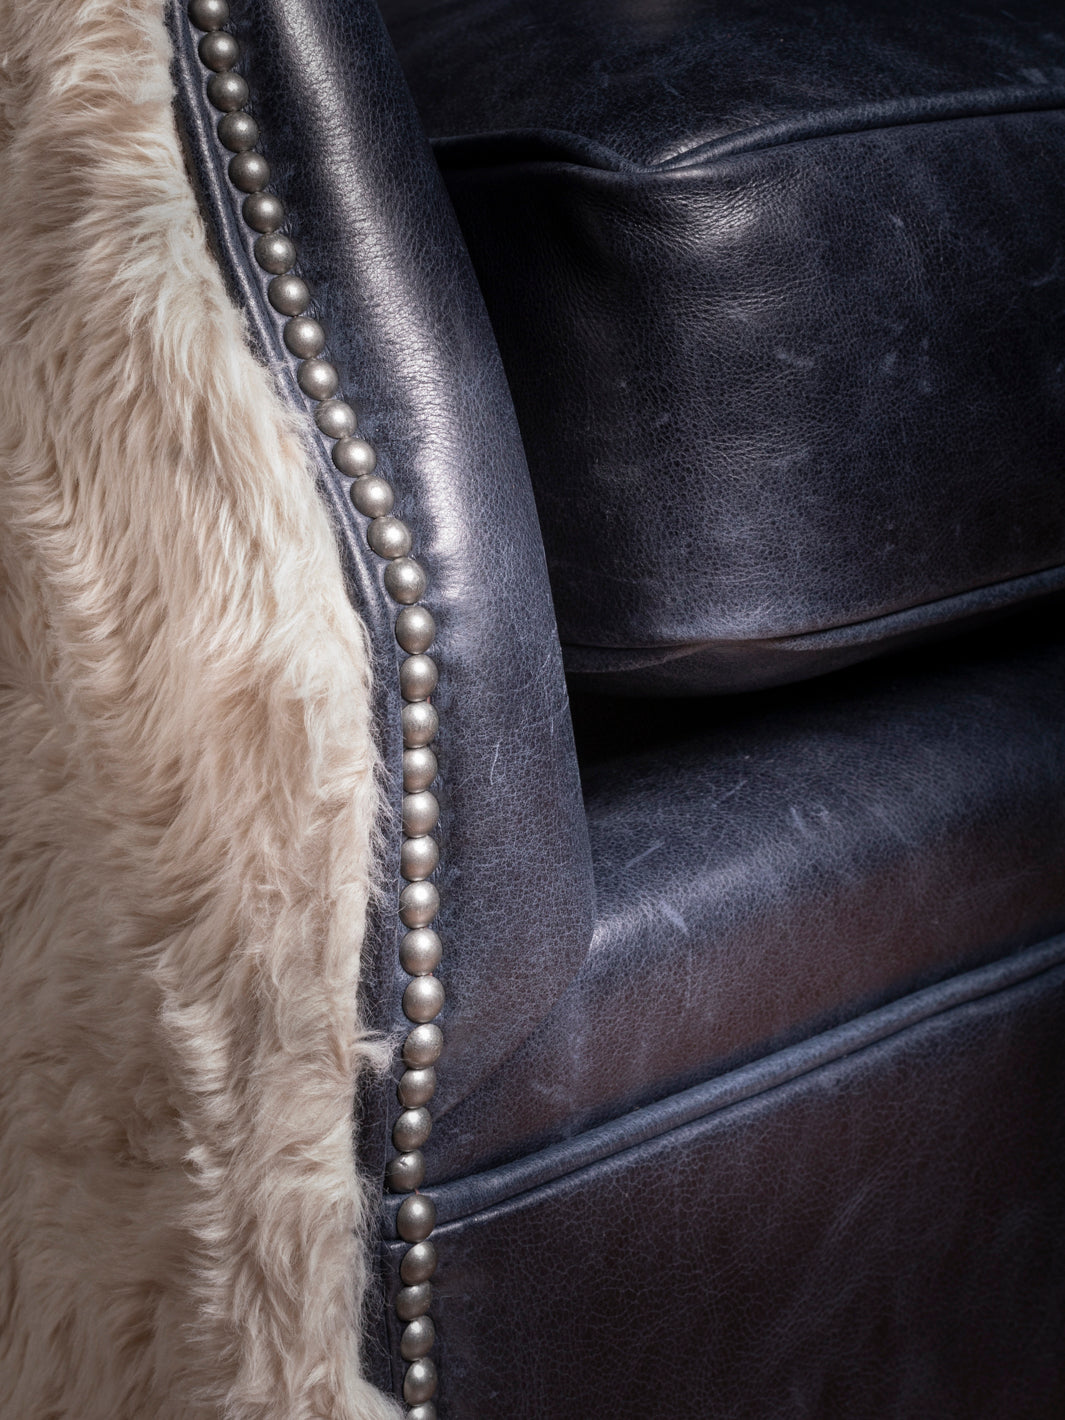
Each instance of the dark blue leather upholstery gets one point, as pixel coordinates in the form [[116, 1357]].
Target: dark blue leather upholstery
[[781, 296], [406, 325], [865, 1227], [784, 1137], [808, 855]]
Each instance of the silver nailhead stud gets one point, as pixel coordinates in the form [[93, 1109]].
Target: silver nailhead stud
[[372, 496], [389, 537], [419, 1383], [238, 132], [405, 1172], [209, 14], [419, 1263], [411, 1129], [418, 905], [416, 1218], [420, 721], [318, 379], [422, 1412], [335, 418], [405, 581], [264, 212], [421, 813], [218, 51], [416, 1087], [415, 628], [418, 677], [417, 1339], [249, 171], [354, 457], [423, 1046], [419, 769], [305, 337], [275, 253], [290, 295], [420, 951], [227, 91], [423, 998], [414, 1301], [418, 858]]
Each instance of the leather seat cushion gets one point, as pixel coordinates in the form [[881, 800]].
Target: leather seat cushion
[[780, 293], [811, 854]]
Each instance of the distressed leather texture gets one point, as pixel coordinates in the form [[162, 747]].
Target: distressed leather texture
[[873, 1230], [752, 1103], [808, 855], [780, 291], [407, 328]]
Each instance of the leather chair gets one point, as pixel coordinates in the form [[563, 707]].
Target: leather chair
[[736, 1018]]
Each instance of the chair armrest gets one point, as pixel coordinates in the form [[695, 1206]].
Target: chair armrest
[[406, 326]]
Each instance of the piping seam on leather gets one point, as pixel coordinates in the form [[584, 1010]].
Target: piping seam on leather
[[503, 1184], [583, 153]]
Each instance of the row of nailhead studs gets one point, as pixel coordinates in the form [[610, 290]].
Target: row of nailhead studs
[[415, 630]]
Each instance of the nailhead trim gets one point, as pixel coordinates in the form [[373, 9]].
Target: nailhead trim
[[406, 581]]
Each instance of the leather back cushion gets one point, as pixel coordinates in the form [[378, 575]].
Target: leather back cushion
[[780, 293]]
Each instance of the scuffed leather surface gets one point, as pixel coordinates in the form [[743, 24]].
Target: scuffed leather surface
[[779, 291], [379, 245], [882, 1237], [651, 80], [803, 856]]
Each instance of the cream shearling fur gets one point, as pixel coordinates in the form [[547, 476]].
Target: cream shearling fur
[[187, 792]]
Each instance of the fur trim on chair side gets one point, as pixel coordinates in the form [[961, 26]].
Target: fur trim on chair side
[[187, 792]]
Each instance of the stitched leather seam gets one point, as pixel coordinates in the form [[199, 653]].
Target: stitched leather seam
[[559, 149], [976, 603], [474, 1194]]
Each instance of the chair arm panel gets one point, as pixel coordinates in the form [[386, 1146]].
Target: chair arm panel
[[406, 327]]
